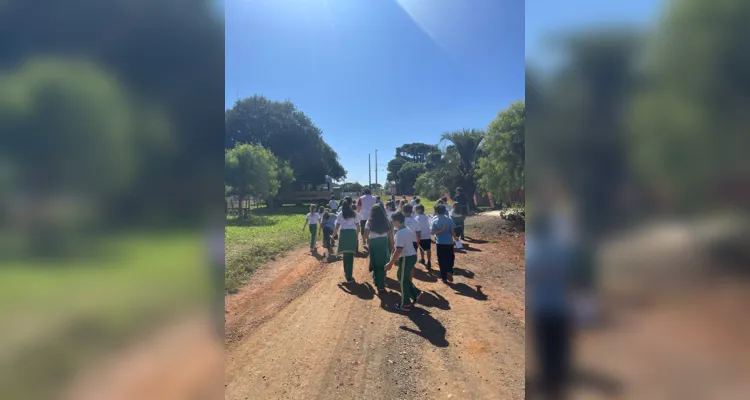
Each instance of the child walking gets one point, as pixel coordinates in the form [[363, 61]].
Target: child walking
[[347, 228], [425, 242], [406, 257], [326, 227], [458, 218], [412, 224], [443, 229], [312, 219], [380, 234]]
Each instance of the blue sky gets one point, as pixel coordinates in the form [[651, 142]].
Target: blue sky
[[375, 74], [546, 19]]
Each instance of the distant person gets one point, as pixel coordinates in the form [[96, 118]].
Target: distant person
[[311, 220], [378, 201], [443, 229], [458, 220], [390, 208], [413, 201], [364, 206], [333, 204], [406, 256], [380, 236], [347, 228], [462, 199], [448, 207], [425, 242]]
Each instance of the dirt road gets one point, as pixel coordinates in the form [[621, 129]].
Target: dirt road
[[295, 333]]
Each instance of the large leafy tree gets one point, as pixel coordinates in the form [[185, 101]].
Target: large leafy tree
[[285, 131], [502, 166], [441, 176], [690, 123], [467, 143], [252, 170], [408, 174], [416, 152]]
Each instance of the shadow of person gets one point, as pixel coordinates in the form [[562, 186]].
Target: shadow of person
[[463, 272], [362, 290], [469, 248], [424, 276], [392, 284], [476, 241], [388, 299], [434, 299], [466, 290], [318, 256], [428, 327]]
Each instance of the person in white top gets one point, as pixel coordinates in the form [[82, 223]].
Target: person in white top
[[333, 204], [414, 201], [412, 224], [311, 220], [425, 240], [347, 224], [364, 206], [406, 256]]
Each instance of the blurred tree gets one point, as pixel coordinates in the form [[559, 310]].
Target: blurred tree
[[276, 126], [690, 123], [415, 152], [442, 175], [393, 167], [352, 187], [502, 165], [467, 143]]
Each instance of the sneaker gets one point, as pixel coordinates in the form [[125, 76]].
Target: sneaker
[[445, 281], [450, 277], [401, 308], [350, 280], [382, 291]]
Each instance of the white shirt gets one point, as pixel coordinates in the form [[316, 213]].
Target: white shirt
[[313, 218], [367, 202], [448, 209], [413, 203], [333, 204], [350, 223], [374, 234], [424, 226], [412, 224], [405, 239]]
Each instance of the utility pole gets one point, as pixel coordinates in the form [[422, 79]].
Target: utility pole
[[369, 169], [376, 166]]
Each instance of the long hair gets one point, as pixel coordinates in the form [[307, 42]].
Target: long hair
[[347, 211], [379, 220]]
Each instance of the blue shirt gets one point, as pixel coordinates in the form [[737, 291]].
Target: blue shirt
[[445, 237], [548, 269]]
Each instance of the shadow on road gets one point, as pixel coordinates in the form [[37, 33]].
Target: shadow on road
[[362, 290], [424, 276], [476, 241], [428, 327], [466, 290], [434, 299], [463, 272]]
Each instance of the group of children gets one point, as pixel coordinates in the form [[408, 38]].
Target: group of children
[[393, 233]]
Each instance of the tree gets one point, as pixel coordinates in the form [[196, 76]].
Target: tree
[[415, 152], [466, 143], [502, 166], [275, 126], [352, 187], [252, 170], [407, 176], [690, 122]]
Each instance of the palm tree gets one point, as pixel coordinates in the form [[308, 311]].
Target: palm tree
[[466, 142]]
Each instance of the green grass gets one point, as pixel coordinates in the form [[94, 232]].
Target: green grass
[[59, 315], [265, 236]]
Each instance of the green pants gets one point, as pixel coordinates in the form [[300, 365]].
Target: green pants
[[409, 292], [379, 257], [348, 266], [313, 232]]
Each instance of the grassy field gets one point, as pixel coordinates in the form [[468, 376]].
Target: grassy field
[[57, 315], [264, 236]]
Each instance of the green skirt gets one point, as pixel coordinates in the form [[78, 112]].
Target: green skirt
[[348, 242], [379, 253]]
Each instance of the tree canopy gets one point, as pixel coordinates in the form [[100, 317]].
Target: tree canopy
[[502, 167], [251, 170], [275, 126]]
